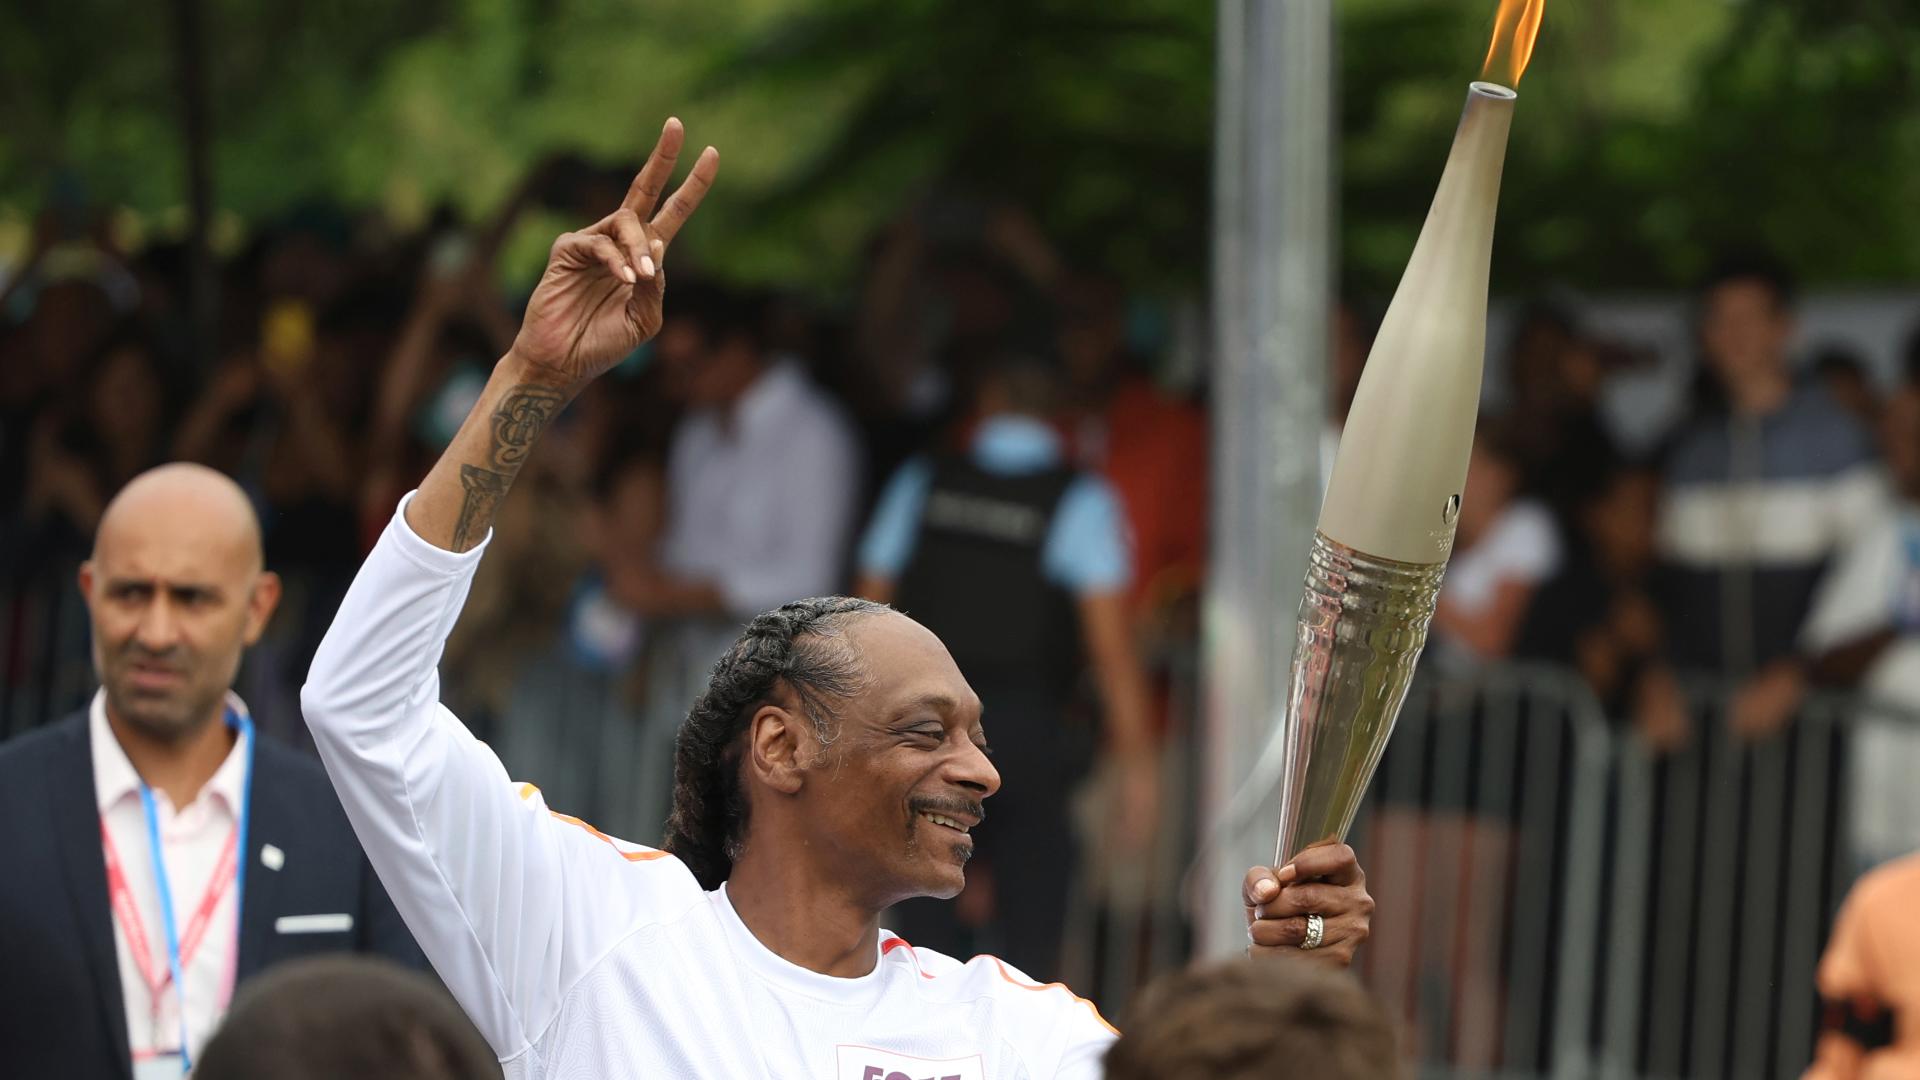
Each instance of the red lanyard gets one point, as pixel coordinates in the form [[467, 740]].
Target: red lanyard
[[128, 915]]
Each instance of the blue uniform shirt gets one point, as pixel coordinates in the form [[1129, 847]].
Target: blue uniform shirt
[[1087, 550]]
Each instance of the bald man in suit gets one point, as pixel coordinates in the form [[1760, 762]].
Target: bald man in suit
[[162, 789]]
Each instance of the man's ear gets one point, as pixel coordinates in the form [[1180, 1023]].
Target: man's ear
[[776, 747], [261, 601]]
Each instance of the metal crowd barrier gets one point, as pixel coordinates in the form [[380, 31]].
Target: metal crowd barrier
[[1554, 900], [1481, 836], [1128, 922], [1731, 861], [1557, 901]]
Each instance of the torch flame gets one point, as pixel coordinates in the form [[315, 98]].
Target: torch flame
[[1514, 31]]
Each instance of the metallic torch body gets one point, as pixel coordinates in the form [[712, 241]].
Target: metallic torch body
[[1386, 527], [1362, 624]]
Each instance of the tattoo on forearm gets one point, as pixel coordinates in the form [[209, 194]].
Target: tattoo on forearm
[[519, 420], [484, 489], [515, 426]]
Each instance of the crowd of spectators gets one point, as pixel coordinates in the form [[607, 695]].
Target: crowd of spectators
[[975, 388], [1757, 544], [733, 463]]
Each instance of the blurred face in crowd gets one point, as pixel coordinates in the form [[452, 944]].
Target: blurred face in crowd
[[1554, 367], [176, 593], [343, 366], [1092, 331], [681, 346], [1900, 441], [68, 322], [626, 523], [1582, 371], [979, 302], [702, 373], [304, 266], [1536, 357], [1744, 330], [908, 748], [1620, 522], [1850, 387], [125, 398], [1018, 385]]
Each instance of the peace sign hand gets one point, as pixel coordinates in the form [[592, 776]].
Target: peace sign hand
[[600, 295]]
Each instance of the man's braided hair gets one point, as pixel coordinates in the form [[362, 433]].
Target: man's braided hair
[[795, 647]]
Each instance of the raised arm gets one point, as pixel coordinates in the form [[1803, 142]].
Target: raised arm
[[598, 300], [510, 902]]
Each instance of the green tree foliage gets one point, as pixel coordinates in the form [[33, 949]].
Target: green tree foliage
[[90, 89], [1651, 133], [1095, 115]]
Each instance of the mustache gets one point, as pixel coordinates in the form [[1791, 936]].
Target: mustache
[[174, 659], [948, 807]]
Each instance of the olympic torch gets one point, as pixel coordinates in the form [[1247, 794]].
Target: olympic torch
[[1386, 526]]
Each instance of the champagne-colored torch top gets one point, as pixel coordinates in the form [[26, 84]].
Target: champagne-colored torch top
[[1402, 461]]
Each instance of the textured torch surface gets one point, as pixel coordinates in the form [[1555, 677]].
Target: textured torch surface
[[1362, 623]]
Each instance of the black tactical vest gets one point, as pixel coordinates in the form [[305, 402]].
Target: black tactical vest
[[976, 579]]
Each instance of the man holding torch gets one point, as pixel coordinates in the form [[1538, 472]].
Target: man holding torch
[[834, 766]]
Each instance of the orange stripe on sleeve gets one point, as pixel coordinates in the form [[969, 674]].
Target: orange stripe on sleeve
[[1004, 974], [528, 791], [647, 855]]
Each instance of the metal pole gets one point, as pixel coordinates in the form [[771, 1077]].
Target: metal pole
[[1272, 259]]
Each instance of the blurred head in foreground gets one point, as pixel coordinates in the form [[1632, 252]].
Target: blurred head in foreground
[[345, 1015], [1248, 1019]]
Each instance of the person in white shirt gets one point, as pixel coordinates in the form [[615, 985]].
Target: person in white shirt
[[1863, 633], [834, 766], [1450, 855], [1507, 546], [152, 744], [759, 441]]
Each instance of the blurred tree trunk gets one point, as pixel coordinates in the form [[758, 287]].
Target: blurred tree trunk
[[196, 127]]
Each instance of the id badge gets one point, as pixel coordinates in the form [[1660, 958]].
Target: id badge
[[160, 1067]]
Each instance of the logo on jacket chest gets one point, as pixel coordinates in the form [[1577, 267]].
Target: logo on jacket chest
[[869, 1063]]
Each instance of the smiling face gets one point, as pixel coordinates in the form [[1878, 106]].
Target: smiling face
[[890, 799]]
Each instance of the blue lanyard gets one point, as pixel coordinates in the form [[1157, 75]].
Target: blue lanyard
[[244, 724]]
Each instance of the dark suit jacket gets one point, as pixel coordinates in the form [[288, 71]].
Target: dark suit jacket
[[62, 1014]]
